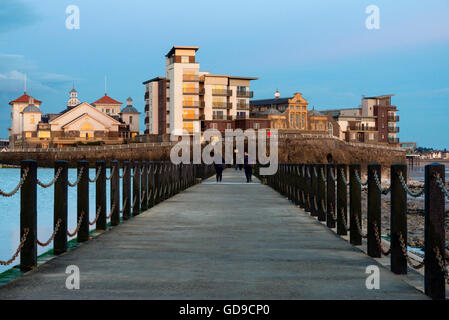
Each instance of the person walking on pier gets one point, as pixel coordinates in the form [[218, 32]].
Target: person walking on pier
[[219, 167], [248, 168]]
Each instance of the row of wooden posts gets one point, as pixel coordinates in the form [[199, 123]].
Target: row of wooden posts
[[151, 183], [322, 190]]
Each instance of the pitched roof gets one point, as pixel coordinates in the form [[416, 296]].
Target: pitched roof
[[25, 98], [106, 100], [270, 101]]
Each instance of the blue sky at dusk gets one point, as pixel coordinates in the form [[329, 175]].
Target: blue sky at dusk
[[319, 48]]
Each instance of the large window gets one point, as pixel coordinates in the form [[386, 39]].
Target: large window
[[190, 87], [303, 121], [189, 114], [31, 119], [297, 120], [44, 134]]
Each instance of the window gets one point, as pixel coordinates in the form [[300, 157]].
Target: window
[[190, 87], [189, 114], [107, 110], [28, 134], [303, 121], [297, 120], [44, 134], [228, 126], [130, 119], [31, 119], [184, 59], [330, 128]]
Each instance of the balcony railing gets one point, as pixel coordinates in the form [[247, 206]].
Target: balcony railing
[[221, 92], [191, 91], [190, 77], [243, 106], [393, 129], [393, 140], [362, 128], [191, 117], [239, 116], [147, 95], [393, 118], [245, 94], [222, 105], [147, 120], [191, 104], [221, 117]]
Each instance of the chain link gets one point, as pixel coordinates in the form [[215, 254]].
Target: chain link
[[332, 213], [441, 185], [22, 242], [46, 185], [322, 175], [357, 176], [112, 174], [343, 176], [379, 185], [78, 179], [77, 226], [332, 175], [55, 231], [343, 219], [112, 210], [96, 216], [405, 253], [379, 241], [406, 188], [442, 264], [125, 169], [359, 226], [124, 205], [134, 203], [97, 176], [22, 180]]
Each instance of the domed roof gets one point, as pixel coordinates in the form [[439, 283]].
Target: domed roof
[[31, 108], [129, 109]]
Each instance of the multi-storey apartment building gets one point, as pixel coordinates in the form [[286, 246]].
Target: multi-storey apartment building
[[188, 100], [375, 121]]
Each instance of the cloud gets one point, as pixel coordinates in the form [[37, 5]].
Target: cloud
[[15, 14]]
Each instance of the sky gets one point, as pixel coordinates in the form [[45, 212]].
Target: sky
[[320, 48]]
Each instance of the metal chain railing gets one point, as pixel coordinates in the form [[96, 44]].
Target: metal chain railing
[[379, 241], [124, 172], [124, 205], [359, 180], [315, 174], [343, 219], [323, 175], [134, 173], [14, 191], [55, 231], [379, 185], [407, 189], [19, 248], [47, 185], [97, 215], [333, 176], [441, 185], [112, 210], [442, 264], [112, 174], [343, 176], [78, 179], [72, 234], [359, 226], [134, 202], [97, 176], [405, 253], [332, 213]]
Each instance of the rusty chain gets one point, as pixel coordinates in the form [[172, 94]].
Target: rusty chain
[[359, 180], [379, 241], [77, 226], [379, 185], [78, 179], [343, 219], [124, 205], [14, 191], [97, 175], [407, 189], [19, 248], [405, 253], [112, 174], [359, 226], [96, 216], [441, 185], [125, 169], [441, 263], [112, 210], [55, 231], [332, 213], [134, 203], [47, 185], [343, 177], [134, 173], [323, 175], [333, 175]]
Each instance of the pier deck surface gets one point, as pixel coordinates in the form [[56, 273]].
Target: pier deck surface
[[231, 240]]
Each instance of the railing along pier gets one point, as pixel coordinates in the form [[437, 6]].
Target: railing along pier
[[323, 191]]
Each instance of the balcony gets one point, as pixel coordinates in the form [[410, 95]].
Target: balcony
[[191, 104], [191, 91], [393, 140], [240, 116], [147, 120], [147, 107], [194, 117], [147, 95], [190, 78], [221, 105], [393, 129], [221, 117], [245, 94], [221, 92], [393, 118], [243, 106], [362, 128]]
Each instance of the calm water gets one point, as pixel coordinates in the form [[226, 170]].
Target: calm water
[[417, 172], [10, 210]]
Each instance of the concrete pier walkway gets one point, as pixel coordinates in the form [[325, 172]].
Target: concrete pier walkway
[[230, 240]]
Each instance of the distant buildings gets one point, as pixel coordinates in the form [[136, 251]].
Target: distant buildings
[[189, 100], [100, 122]]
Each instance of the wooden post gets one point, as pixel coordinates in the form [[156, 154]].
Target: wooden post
[[144, 186], [115, 193], [307, 183], [330, 205], [60, 207], [100, 196], [374, 210], [136, 188], [355, 205], [434, 237], [126, 192], [28, 215], [398, 218], [342, 193], [82, 190], [151, 187], [301, 185]]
